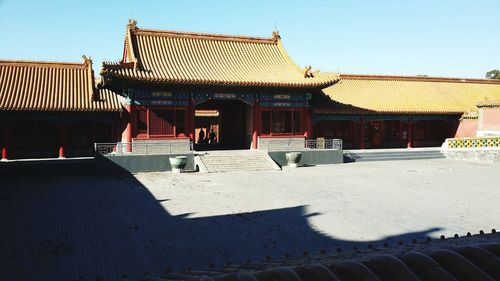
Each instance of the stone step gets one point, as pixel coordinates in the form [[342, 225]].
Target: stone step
[[397, 154], [231, 161], [397, 158]]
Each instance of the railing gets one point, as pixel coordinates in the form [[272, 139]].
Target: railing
[[301, 144], [335, 144], [281, 144], [144, 148]]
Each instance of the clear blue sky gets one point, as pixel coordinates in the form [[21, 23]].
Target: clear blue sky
[[437, 38]]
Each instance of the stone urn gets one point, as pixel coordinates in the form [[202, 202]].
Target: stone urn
[[293, 159], [178, 163]]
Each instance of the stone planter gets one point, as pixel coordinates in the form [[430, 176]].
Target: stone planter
[[178, 163], [293, 159]]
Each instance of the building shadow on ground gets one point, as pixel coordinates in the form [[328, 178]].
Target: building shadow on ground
[[88, 227]]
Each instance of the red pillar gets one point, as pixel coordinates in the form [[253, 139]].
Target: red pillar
[[62, 140], [5, 142], [127, 132], [305, 123], [410, 134], [190, 126], [382, 132], [362, 134], [400, 138], [311, 122], [115, 131], [256, 124], [4, 153], [353, 126], [308, 123]]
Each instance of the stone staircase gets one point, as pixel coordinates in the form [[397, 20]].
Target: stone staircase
[[235, 160], [392, 154]]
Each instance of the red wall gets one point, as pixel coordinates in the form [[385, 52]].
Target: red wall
[[490, 119], [467, 128]]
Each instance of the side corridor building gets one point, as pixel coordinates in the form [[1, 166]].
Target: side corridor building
[[52, 109]]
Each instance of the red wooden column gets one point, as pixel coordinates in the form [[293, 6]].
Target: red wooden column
[[5, 141], [353, 126], [400, 138], [190, 121], [305, 125], [256, 124], [410, 134], [308, 123], [62, 140], [127, 132], [362, 134], [115, 131]]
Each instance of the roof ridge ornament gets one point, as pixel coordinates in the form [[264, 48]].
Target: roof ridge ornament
[[87, 60], [132, 25], [308, 73], [94, 94], [131, 29], [276, 36]]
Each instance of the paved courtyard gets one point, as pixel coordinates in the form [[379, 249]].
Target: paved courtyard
[[82, 228]]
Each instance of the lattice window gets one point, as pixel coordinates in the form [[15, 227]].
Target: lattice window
[[142, 121], [180, 122], [161, 122], [266, 122], [296, 121], [281, 122]]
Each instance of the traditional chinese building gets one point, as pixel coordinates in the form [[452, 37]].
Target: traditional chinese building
[[373, 111], [222, 91], [52, 109], [251, 83]]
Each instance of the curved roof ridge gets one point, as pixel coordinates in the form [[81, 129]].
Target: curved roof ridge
[[129, 54], [177, 58], [287, 57], [205, 35], [32, 63], [133, 29], [301, 70], [417, 78]]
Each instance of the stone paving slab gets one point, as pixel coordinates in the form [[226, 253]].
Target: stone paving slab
[[83, 228]]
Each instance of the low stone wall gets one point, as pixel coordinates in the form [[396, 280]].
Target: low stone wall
[[48, 167], [310, 157], [149, 146], [138, 163], [476, 149], [282, 144], [474, 154]]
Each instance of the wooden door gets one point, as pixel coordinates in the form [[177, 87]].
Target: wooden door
[[377, 134]]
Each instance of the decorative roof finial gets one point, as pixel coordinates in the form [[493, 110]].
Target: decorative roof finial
[[132, 24], [87, 60], [308, 72], [276, 35]]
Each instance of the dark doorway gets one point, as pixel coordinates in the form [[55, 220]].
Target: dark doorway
[[230, 121], [34, 139], [377, 134]]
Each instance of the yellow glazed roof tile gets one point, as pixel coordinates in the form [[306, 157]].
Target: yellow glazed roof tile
[[52, 86], [400, 94], [209, 59]]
